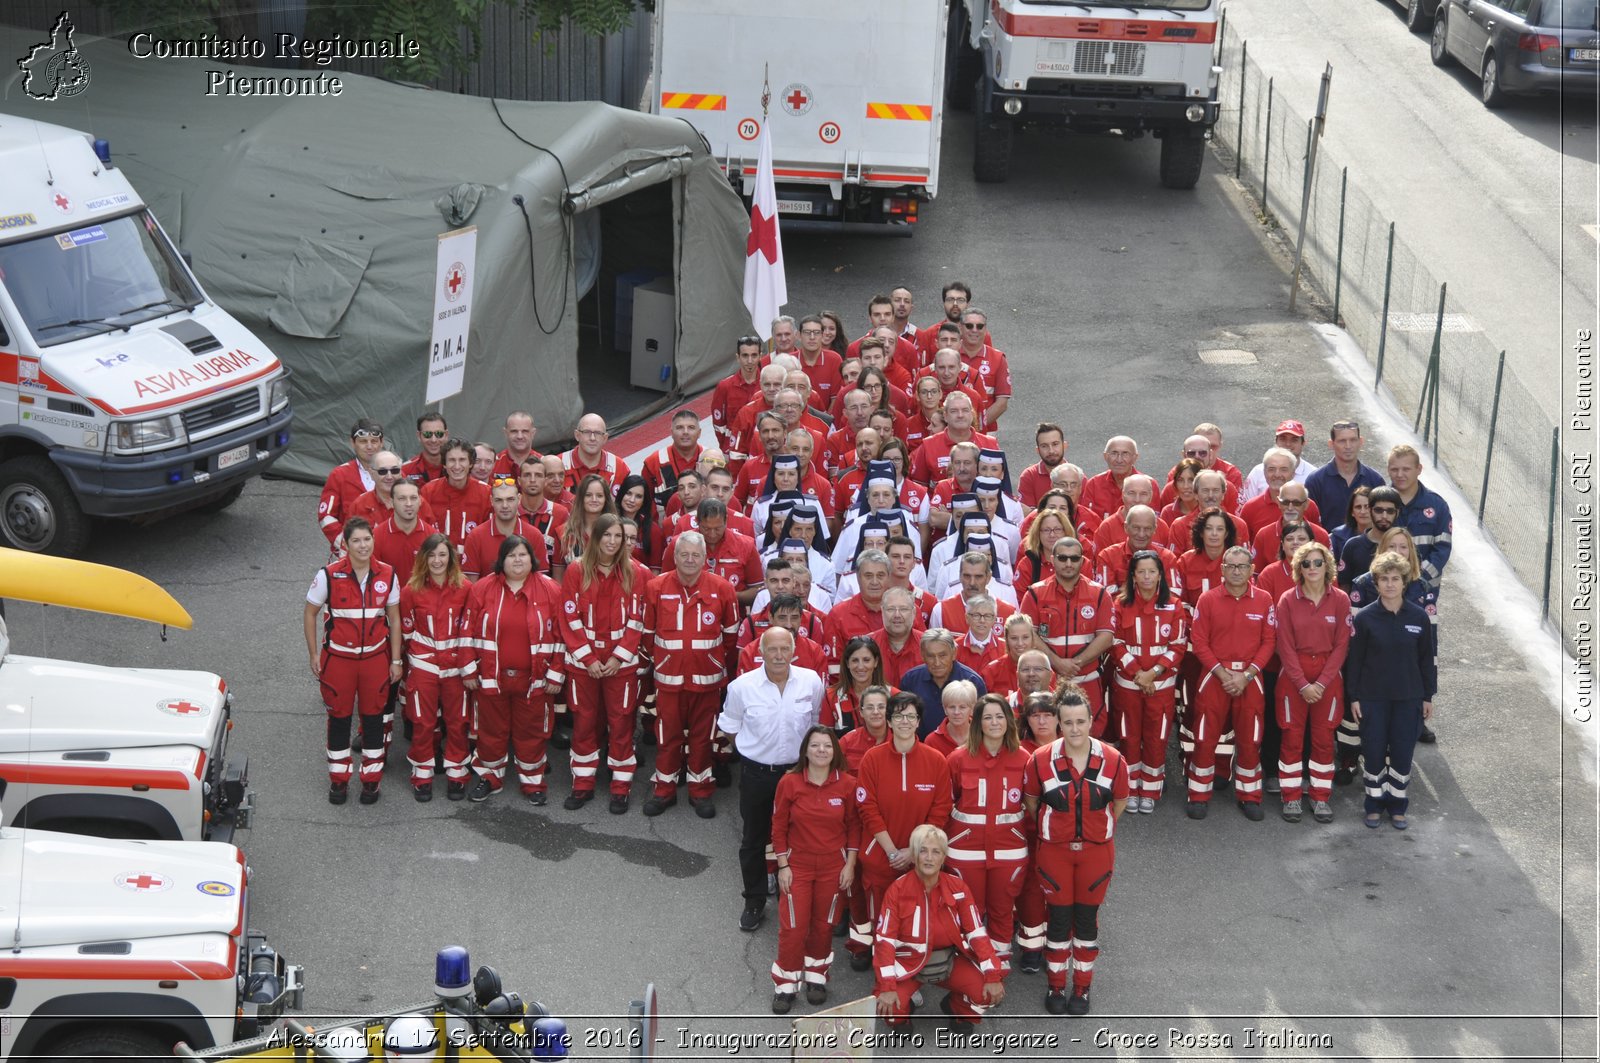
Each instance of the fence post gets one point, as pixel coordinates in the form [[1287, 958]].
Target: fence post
[[1338, 257], [1383, 322], [1550, 519], [1314, 127], [1266, 153], [1428, 401], [1244, 76], [1488, 454]]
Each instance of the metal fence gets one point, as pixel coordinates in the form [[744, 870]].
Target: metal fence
[[1484, 423]]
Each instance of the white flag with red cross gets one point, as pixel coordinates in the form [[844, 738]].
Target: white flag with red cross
[[765, 289]]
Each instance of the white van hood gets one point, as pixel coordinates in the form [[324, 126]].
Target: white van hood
[[48, 705], [148, 369], [79, 889]]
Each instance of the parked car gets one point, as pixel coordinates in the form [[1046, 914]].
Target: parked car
[[1420, 14], [1520, 47]]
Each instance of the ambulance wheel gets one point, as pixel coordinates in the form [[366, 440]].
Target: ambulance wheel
[[991, 150], [134, 1046], [1182, 155], [37, 510], [222, 501]]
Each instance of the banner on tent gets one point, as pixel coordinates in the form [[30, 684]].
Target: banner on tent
[[452, 313]]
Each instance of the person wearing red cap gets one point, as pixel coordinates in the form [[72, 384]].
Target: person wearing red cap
[[1291, 436]]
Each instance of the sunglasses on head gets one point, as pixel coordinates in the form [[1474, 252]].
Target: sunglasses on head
[[367, 433], [502, 480]]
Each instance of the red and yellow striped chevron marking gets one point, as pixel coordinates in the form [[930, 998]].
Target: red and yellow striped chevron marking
[[904, 112], [693, 101]]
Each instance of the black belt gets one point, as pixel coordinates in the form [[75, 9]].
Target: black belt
[[775, 769]]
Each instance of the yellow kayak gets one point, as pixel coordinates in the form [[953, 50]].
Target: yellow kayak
[[62, 581]]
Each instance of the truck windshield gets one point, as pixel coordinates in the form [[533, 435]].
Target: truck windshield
[[107, 275]]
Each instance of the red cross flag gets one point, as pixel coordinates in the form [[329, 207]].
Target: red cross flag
[[765, 290]]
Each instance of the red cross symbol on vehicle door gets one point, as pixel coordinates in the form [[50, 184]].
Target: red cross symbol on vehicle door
[[143, 881]]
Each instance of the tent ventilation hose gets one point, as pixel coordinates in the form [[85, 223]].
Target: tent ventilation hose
[[566, 228]]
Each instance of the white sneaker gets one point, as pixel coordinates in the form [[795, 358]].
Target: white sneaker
[[1149, 805]]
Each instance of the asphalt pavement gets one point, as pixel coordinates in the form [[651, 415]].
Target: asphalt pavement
[[1468, 936]]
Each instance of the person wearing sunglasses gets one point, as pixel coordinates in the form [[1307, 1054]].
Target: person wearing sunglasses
[[428, 465], [348, 482], [1076, 623], [1199, 448], [1313, 640], [377, 505], [990, 370], [1331, 485], [505, 518]]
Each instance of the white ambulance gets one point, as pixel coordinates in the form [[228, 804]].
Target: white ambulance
[[124, 390], [855, 98]]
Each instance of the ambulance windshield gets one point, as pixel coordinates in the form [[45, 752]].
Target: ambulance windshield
[[105, 276]]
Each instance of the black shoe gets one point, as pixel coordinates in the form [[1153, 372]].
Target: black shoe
[[1426, 736], [338, 793], [816, 994], [752, 917], [560, 740], [369, 793], [1198, 809], [657, 805], [1055, 1001], [577, 800], [1252, 811], [1345, 775], [1031, 961], [1079, 1004], [647, 736], [703, 807], [1224, 785], [482, 790], [536, 798], [860, 961], [781, 1003], [423, 793], [455, 791], [722, 773], [619, 804]]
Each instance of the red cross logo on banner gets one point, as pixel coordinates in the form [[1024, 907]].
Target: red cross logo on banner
[[63, 204], [455, 279], [144, 881], [795, 99]]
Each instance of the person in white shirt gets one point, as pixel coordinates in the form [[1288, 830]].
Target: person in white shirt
[[767, 712], [1291, 436]]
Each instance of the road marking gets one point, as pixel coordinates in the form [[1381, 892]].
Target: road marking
[[470, 858], [1227, 356]]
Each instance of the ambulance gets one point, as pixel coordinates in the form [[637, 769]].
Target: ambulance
[[854, 99], [124, 390]]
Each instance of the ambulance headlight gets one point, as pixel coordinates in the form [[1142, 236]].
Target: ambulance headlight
[[1195, 113], [1012, 106], [135, 437], [278, 395]]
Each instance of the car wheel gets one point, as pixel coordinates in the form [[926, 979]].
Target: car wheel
[[1492, 94], [1417, 17], [38, 512], [1436, 44]]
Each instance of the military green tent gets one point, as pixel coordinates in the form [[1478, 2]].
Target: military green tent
[[315, 219]]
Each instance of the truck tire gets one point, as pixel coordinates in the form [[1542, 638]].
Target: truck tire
[[991, 149], [133, 1046], [1182, 155], [37, 510]]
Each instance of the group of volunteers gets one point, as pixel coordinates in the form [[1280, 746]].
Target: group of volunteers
[[943, 679]]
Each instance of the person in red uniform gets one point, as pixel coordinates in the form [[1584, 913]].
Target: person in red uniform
[[433, 616], [862, 669], [1111, 563], [349, 481], [872, 726], [428, 465], [1151, 633], [602, 623], [730, 555], [681, 455], [1233, 637], [1074, 615], [988, 831], [903, 783], [460, 503], [1050, 443], [955, 298], [519, 432], [356, 656], [979, 646], [1198, 448], [931, 932], [1314, 627], [482, 548], [1210, 493], [788, 612], [1074, 790], [1103, 492], [820, 365], [1137, 490], [861, 614], [691, 622], [816, 833], [735, 391], [591, 458], [897, 638], [1018, 637], [516, 667], [377, 505], [1278, 468], [933, 457], [1040, 724], [992, 372], [958, 701], [400, 537], [1292, 503]]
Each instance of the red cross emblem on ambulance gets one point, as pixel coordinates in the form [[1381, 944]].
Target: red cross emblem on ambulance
[[62, 203], [144, 881], [181, 707]]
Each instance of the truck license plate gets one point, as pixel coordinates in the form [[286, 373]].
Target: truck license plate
[[794, 206], [1588, 55], [229, 458]]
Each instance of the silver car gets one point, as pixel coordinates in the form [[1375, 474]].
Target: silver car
[[1520, 47]]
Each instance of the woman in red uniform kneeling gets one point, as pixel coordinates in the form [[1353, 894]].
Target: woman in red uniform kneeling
[[815, 834], [1076, 787]]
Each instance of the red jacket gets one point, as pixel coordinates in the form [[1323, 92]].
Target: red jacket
[[736, 560], [900, 791], [1235, 632], [940, 742], [1111, 565], [1112, 530], [1148, 634], [612, 469], [691, 630], [932, 458], [398, 549], [1262, 510], [975, 658], [732, 393], [896, 665], [1200, 574], [1033, 484], [1308, 630], [815, 820], [855, 744], [482, 548], [357, 619], [370, 508], [953, 617], [1074, 807], [987, 821], [603, 619], [1103, 493], [344, 485], [915, 920], [1268, 543], [846, 620], [1072, 622], [1183, 531], [541, 598], [1000, 674], [434, 622], [458, 511]]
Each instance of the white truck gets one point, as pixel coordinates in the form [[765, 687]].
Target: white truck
[[124, 390], [1087, 66], [856, 99], [124, 948]]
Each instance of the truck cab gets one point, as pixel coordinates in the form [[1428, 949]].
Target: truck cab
[[124, 390]]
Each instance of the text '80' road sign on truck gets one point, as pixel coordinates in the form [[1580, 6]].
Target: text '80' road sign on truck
[[857, 98], [124, 390]]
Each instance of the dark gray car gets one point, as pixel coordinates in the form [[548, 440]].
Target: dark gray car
[[1520, 47]]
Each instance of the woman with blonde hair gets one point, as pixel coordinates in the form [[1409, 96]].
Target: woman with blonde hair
[[1048, 526], [433, 620], [1313, 639]]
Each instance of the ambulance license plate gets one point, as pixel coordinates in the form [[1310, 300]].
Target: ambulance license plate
[[794, 206], [229, 458]]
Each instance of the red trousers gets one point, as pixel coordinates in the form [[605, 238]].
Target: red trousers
[[873, 880], [806, 915], [1031, 909], [685, 717], [1293, 712], [965, 983], [435, 703], [1215, 713], [1075, 882], [349, 683], [1146, 721], [995, 887], [602, 707], [514, 717], [1095, 691]]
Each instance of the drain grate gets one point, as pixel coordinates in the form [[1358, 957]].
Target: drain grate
[[1227, 356]]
